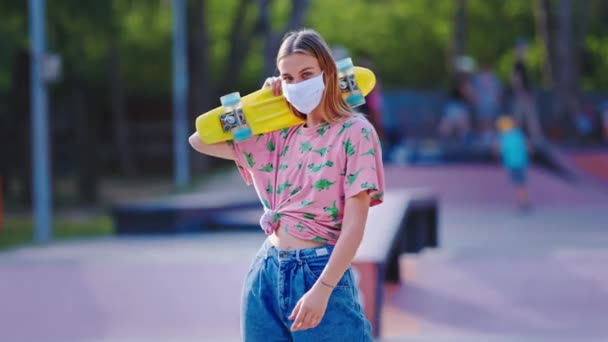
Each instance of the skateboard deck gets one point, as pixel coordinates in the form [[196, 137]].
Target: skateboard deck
[[264, 112]]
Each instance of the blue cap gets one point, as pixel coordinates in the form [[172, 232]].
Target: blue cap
[[230, 99], [521, 41]]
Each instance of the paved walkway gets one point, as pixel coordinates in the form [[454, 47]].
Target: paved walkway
[[503, 276], [171, 289], [498, 275]]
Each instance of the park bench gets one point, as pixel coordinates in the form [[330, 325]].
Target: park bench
[[405, 223], [178, 213]]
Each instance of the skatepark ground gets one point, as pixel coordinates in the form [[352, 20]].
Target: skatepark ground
[[498, 274]]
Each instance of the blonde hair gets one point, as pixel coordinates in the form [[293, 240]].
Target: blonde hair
[[505, 123], [309, 42]]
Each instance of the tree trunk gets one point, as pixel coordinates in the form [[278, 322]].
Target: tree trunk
[[20, 112], [86, 141], [199, 58], [272, 40], [566, 89], [298, 11], [544, 31], [582, 21], [120, 122], [241, 36], [200, 90], [460, 20]]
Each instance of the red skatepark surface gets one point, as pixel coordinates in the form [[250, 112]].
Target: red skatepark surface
[[595, 162], [498, 275]]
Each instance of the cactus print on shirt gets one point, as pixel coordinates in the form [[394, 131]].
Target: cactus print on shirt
[[303, 175]]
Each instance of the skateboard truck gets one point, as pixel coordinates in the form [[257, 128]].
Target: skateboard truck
[[351, 93], [233, 120]]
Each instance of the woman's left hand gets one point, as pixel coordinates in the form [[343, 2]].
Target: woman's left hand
[[310, 309]]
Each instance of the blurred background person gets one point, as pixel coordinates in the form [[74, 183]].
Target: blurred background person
[[514, 153], [456, 122], [489, 99], [524, 104]]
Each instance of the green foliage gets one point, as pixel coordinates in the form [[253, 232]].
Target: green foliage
[[18, 231], [13, 36], [79, 33], [492, 28], [144, 35], [597, 48], [595, 63], [407, 41], [220, 16]]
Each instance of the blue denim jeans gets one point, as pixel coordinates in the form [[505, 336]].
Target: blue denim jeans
[[276, 281]]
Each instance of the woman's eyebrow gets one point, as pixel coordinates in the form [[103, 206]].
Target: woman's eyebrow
[[301, 71], [306, 69]]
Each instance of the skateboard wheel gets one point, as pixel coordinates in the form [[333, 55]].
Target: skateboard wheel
[[231, 99], [242, 134], [344, 64], [355, 100]]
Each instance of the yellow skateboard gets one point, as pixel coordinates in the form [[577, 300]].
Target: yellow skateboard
[[262, 112]]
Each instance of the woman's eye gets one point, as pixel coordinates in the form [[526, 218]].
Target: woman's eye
[[287, 79], [306, 75]]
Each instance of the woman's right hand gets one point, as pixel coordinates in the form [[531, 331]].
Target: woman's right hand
[[274, 83]]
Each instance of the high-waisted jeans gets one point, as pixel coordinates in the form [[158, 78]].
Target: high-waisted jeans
[[277, 279]]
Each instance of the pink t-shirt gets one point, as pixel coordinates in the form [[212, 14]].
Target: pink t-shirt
[[304, 174]]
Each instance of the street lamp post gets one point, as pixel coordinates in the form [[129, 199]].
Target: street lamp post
[[180, 95], [40, 135]]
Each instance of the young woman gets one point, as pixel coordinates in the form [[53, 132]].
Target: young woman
[[316, 181]]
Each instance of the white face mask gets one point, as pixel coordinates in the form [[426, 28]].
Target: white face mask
[[305, 95]]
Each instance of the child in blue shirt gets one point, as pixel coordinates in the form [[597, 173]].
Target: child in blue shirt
[[514, 153]]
